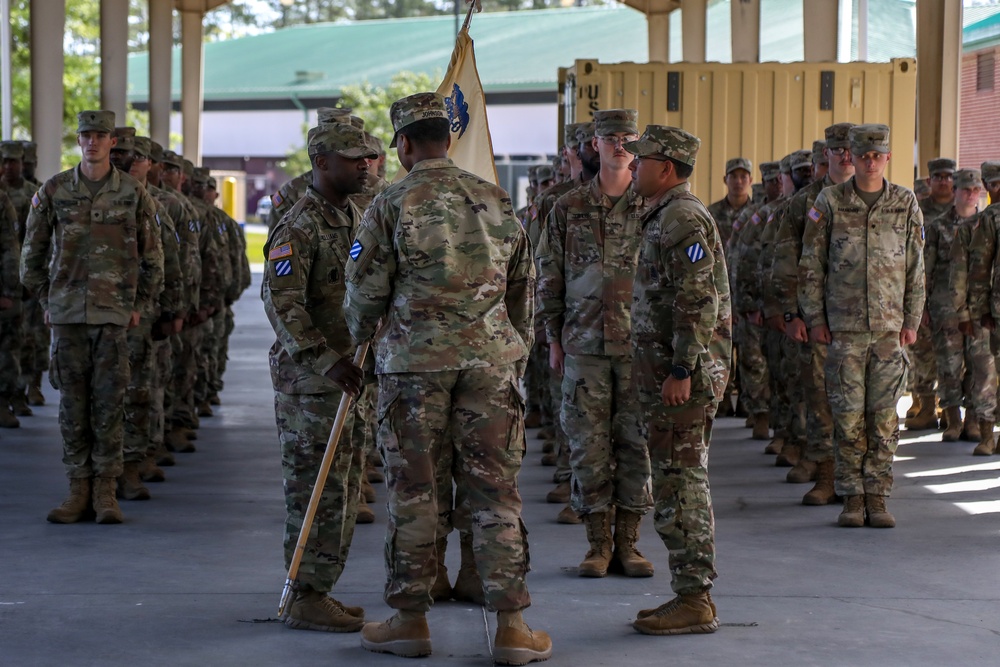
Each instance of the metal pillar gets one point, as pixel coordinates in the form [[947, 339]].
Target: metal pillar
[[745, 20], [820, 26], [693, 30], [161, 38], [192, 77], [6, 90], [939, 58], [114, 57], [48, 22], [658, 27]]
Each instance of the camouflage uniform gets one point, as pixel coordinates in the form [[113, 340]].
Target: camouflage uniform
[[844, 243], [106, 262], [10, 288], [456, 334], [922, 355]]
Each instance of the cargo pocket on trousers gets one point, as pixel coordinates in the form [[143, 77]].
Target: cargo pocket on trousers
[[903, 375], [54, 364], [515, 418], [524, 541]]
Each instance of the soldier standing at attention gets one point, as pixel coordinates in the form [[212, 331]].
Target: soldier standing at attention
[[587, 261], [443, 262], [312, 365], [93, 257], [682, 343], [10, 300], [864, 227], [738, 179]]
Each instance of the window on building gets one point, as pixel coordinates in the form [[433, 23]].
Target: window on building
[[985, 67]]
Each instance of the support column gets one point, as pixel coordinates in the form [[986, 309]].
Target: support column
[[161, 39], [6, 106], [658, 26], [48, 22], [820, 25], [939, 58], [745, 29], [192, 78], [693, 30], [114, 57]]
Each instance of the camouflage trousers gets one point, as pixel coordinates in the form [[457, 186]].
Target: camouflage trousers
[[678, 439], [780, 405], [34, 344], [601, 419], [564, 471], [865, 377], [138, 396], [476, 417], [162, 394], [536, 380], [185, 375], [304, 422], [11, 335], [966, 371], [208, 355], [924, 363], [791, 359], [90, 369], [222, 352], [819, 419], [755, 387]]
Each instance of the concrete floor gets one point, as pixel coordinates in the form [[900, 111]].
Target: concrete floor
[[193, 577]]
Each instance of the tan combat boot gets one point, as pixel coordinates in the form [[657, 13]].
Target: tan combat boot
[[548, 446], [315, 610], [802, 472], [205, 410], [789, 455], [547, 433], [568, 516], [822, 493], [163, 457], [77, 506], [761, 426], [214, 400], [776, 444], [19, 405], [149, 471], [550, 459], [516, 643], [559, 495], [954, 430], [926, 418], [441, 590], [878, 515], [692, 613], [626, 536], [914, 408], [129, 483], [853, 514], [595, 563], [365, 513], [468, 587], [7, 418], [533, 419], [176, 441], [987, 442], [404, 634], [373, 474], [970, 428], [105, 503], [35, 395], [367, 490]]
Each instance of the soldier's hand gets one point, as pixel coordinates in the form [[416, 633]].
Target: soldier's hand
[[6, 303], [133, 319], [178, 325], [556, 358], [776, 323], [925, 319], [966, 328], [907, 337], [987, 321], [676, 392], [347, 376], [796, 330], [755, 318], [821, 334]]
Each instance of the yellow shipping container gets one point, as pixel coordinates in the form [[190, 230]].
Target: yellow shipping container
[[759, 111]]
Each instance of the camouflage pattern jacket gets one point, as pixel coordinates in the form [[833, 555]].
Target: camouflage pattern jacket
[[863, 269], [941, 238], [746, 297], [983, 287], [92, 259], [20, 196], [587, 260], [725, 215], [10, 252], [188, 253], [442, 260], [292, 191], [303, 293], [784, 274], [959, 264], [681, 311]]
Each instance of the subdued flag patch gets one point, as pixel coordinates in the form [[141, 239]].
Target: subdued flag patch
[[695, 252], [356, 250], [815, 215], [35, 201], [283, 268], [284, 250], [755, 219], [276, 199], [157, 216]]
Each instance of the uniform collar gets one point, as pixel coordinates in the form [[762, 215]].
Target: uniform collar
[[433, 163], [334, 216], [113, 184]]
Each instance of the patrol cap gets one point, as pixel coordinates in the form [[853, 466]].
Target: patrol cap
[[414, 108], [340, 138], [769, 170], [142, 146], [585, 132], [968, 178], [921, 187], [332, 115], [375, 143], [799, 159], [11, 150], [30, 152], [95, 121], [837, 135], [212, 184], [358, 122], [544, 173], [785, 164], [569, 133], [532, 172], [188, 167], [155, 151], [671, 142], [126, 138], [872, 137], [199, 175], [991, 171], [818, 156], [739, 163], [941, 165], [610, 121], [172, 159]]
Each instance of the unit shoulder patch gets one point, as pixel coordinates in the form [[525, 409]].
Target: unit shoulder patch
[[695, 252]]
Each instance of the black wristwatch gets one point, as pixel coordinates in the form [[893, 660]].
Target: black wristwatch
[[680, 373], [790, 316]]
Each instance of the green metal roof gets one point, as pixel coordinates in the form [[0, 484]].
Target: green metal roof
[[983, 33]]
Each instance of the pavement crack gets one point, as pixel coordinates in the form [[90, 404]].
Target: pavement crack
[[926, 617]]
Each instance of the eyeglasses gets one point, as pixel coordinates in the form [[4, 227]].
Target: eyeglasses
[[839, 152], [942, 177], [618, 141]]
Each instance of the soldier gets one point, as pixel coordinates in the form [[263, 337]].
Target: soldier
[[865, 322], [820, 162], [30, 162], [738, 179], [921, 189], [587, 260], [92, 256], [923, 413], [681, 337], [449, 362], [311, 367], [10, 306]]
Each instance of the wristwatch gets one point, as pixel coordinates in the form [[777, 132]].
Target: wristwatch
[[680, 373]]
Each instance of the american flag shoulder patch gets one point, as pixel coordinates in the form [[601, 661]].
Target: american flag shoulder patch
[[284, 250], [35, 201], [755, 219], [921, 232], [157, 216], [815, 215], [283, 267], [695, 252], [356, 249], [276, 199]]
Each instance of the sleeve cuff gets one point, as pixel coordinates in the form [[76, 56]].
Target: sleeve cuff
[[326, 361]]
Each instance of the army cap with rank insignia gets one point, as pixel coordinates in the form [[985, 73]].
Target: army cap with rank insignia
[[739, 163], [585, 132], [867, 138], [569, 133], [991, 171], [769, 170], [342, 139], [142, 146], [415, 108], [172, 159], [941, 165], [30, 152], [671, 142], [199, 175], [126, 138], [968, 178], [818, 152], [837, 135], [95, 121], [610, 121], [11, 150], [332, 115]]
